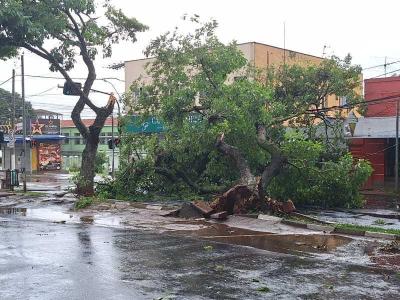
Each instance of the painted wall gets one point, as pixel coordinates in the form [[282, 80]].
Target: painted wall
[[374, 151], [379, 88], [73, 146]]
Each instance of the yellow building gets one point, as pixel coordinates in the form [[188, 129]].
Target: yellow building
[[258, 54]]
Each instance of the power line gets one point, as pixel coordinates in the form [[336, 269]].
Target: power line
[[378, 66], [76, 78], [4, 82], [346, 106], [385, 74]]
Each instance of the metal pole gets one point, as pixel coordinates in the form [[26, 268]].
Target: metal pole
[[12, 133], [113, 146], [23, 120], [396, 163]]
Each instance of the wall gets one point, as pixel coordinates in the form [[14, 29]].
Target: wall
[[72, 153], [380, 88], [372, 150], [6, 153]]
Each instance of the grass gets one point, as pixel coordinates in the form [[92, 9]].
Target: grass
[[367, 228], [32, 194], [264, 289], [379, 222], [84, 202]]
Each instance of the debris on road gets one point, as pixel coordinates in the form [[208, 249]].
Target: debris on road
[[223, 215]]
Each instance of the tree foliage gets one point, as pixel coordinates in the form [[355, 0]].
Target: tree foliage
[[6, 107], [315, 178], [61, 32], [226, 120]]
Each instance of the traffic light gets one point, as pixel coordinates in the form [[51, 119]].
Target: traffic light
[[1, 137], [116, 143], [110, 144], [72, 89]]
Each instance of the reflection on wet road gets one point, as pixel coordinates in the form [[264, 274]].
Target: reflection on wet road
[[42, 260]]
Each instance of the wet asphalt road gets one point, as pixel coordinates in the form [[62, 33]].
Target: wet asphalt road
[[43, 260]]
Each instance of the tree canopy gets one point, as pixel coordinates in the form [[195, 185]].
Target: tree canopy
[[6, 107], [226, 120]]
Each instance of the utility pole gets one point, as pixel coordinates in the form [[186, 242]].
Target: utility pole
[[12, 131], [23, 120], [385, 65], [396, 163], [284, 44]]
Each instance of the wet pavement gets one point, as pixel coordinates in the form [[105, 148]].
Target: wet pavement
[[130, 251], [41, 260]]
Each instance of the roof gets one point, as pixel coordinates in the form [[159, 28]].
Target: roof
[[289, 50], [87, 122], [43, 137], [43, 112], [280, 48], [375, 127], [383, 79]]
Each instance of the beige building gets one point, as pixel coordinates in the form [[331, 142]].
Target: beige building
[[258, 54]]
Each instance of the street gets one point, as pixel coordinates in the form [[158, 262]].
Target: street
[[45, 260]]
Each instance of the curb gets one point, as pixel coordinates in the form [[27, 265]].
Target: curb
[[324, 228], [332, 229], [381, 235], [294, 223], [349, 231]]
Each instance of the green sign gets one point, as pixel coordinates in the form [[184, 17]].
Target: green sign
[[151, 125]]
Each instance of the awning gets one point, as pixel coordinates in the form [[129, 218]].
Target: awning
[[373, 128], [39, 138]]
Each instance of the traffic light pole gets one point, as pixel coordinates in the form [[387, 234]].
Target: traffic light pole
[[12, 133]]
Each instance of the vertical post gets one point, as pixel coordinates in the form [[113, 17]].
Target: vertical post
[[23, 121], [113, 146], [284, 43], [12, 133], [385, 65], [396, 163]]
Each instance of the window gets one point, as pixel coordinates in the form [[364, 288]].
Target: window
[[342, 101], [103, 140], [66, 141], [77, 138]]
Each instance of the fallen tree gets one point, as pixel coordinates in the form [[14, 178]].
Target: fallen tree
[[226, 121]]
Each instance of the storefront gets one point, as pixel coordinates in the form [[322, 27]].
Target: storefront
[[43, 145]]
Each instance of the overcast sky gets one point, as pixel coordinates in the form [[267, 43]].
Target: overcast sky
[[368, 30]]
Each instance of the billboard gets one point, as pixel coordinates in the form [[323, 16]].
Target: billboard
[[45, 126], [49, 156]]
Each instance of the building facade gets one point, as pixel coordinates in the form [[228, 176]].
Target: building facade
[[258, 54], [43, 143], [74, 144], [373, 136]]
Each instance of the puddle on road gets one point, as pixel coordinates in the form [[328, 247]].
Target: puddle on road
[[289, 244], [60, 216], [38, 213], [13, 211]]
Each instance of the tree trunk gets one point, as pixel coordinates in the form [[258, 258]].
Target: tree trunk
[[249, 194], [85, 184]]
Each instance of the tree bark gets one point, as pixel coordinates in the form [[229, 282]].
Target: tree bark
[[246, 176], [275, 165]]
